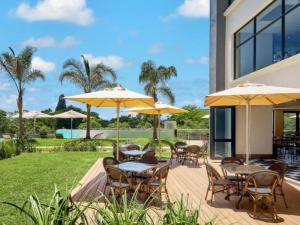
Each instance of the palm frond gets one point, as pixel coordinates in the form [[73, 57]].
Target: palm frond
[[34, 75], [86, 66], [166, 73], [103, 70], [74, 78], [167, 92], [25, 57], [148, 72]]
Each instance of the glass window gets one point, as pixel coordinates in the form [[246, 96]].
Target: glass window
[[244, 58], [270, 14], [289, 123], [223, 149], [223, 123], [292, 33], [268, 45], [290, 4], [245, 33]]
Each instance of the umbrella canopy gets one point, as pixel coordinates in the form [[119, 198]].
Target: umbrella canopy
[[33, 115], [71, 114], [252, 94], [114, 97], [158, 109], [205, 117]]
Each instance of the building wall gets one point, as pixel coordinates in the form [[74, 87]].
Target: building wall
[[284, 73]]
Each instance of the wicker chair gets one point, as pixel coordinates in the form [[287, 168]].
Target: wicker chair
[[133, 147], [118, 180], [146, 146], [179, 144], [281, 168], [158, 182], [175, 154], [109, 161], [193, 153], [216, 183], [260, 186], [230, 160], [149, 158], [204, 152]]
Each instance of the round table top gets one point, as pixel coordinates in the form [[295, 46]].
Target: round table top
[[242, 169]]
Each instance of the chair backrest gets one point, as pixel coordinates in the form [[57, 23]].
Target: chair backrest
[[121, 155], [149, 157], [162, 172], [178, 144], [212, 174], [232, 160], [263, 179], [115, 174], [281, 168], [109, 161], [193, 149], [132, 147], [146, 146]]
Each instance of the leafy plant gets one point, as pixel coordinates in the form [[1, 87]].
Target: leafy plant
[[123, 212], [61, 210], [179, 213], [8, 149], [80, 145]]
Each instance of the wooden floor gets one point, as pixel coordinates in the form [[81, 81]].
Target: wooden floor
[[191, 181]]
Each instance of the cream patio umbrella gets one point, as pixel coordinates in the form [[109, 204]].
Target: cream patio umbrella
[[33, 115], [71, 114], [205, 116], [114, 97], [158, 109], [252, 94]]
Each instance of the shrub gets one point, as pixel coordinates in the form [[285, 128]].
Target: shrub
[[8, 149], [79, 146]]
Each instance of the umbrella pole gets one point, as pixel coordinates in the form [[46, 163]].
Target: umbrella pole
[[118, 128], [71, 128], [247, 133], [159, 127]]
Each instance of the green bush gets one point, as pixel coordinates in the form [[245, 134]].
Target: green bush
[[79, 146], [8, 149]]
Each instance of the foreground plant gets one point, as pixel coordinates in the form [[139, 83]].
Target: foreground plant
[[60, 211], [123, 211]]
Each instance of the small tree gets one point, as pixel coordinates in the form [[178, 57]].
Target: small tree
[[19, 70], [155, 78]]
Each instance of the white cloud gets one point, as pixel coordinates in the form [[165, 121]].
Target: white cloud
[[45, 42], [4, 86], [32, 89], [190, 9], [156, 48], [8, 102], [113, 61], [200, 60], [75, 11], [43, 65]]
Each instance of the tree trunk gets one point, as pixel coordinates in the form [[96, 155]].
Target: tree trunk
[[88, 122], [20, 109], [155, 126]]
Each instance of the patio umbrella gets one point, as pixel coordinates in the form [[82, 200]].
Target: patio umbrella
[[158, 109], [33, 115], [252, 94], [114, 97], [71, 114], [205, 116]]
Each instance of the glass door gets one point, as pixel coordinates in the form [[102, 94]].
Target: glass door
[[290, 124], [222, 132]]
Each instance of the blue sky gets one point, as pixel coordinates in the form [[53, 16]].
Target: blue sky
[[122, 34]]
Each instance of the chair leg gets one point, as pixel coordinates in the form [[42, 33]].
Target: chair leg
[[283, 196], [254, 208], [208, 188], [167, 193], [274, 210]]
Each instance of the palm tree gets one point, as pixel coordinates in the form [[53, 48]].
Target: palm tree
[[155, 81], [20, 71], [89, 78]]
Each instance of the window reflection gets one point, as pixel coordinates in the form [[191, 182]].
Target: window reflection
[[244, 58], [292, 33]]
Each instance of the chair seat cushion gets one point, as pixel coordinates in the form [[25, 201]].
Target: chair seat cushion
[[119, 184], [219, 182], [264, 191]]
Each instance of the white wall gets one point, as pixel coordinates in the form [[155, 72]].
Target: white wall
[[285, 73]]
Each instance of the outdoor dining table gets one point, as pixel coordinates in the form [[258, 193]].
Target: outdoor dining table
[[136, 167], [241, 171]]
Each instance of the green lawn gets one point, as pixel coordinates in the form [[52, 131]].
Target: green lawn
[[37, 173]]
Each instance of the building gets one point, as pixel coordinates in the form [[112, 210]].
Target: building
[[255, 41]]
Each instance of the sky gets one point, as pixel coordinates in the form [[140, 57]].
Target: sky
[[119, 33]]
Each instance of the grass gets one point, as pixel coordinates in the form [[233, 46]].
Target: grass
[[37, 173]]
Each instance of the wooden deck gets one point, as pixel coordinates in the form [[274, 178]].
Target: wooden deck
[[192, 181]]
